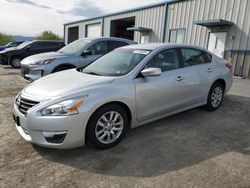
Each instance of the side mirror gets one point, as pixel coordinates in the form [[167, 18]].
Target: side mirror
[[28, 48], [151, 72], [86, 52]]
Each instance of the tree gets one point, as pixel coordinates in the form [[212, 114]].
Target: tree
[[5, 39], [49, 35]]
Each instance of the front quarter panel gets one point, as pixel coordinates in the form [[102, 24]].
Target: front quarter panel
[[119, 92]]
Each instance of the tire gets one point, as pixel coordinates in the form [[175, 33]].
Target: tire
[[98, 130], [61, 69], [215, 97], [15, 62]]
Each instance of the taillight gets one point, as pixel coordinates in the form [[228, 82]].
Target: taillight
[[229, 65]]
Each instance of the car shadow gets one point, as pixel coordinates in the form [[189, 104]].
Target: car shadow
[[167, 145], [7, 67]]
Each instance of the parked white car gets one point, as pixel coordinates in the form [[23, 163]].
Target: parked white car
[[128, 87]]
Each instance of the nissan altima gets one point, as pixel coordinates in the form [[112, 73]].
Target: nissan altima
[[126, 88]]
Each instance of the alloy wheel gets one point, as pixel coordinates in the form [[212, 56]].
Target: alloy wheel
[[216, 97], [16, 62], [109, 127]]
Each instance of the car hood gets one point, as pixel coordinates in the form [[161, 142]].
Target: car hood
[[8, 50], [65, 83], [44, 56], [3, 47]]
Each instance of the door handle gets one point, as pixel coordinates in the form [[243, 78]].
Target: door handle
[[179, 78], [209, 70]]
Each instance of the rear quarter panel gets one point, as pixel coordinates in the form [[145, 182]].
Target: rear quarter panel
[[220, 71]]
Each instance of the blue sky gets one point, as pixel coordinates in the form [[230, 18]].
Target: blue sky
[[31, 17]]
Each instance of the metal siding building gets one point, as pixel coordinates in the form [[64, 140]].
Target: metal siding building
[[222, 26]]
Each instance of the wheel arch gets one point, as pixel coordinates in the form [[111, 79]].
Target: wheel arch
[[63, 65], [122, 104], [221, 81], [11, 57]]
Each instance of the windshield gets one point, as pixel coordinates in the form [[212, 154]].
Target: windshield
[[13, 44], [8, 44], [24, 44], [75, 47], [116, 63]]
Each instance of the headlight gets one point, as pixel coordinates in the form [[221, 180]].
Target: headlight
[[44, 62], [18, 99], [64, 108]]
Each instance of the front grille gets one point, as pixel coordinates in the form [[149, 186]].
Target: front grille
[[25, 104]]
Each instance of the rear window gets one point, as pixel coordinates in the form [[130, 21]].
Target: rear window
[[115, 44], [193, 57], [208, 57]]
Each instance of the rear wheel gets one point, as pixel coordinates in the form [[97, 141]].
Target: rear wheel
[[107, 126], [15, 62], [215, 97]]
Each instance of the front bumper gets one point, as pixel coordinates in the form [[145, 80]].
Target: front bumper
[[30, 73], [3, 60], [38, 129]]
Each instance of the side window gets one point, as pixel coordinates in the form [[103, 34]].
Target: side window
[[98, 48], [208, 57], [115, 44], [166, 60], [36, 45], [192, 57], [48, 44]]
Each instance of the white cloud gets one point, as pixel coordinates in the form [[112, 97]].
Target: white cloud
[[31, 17]]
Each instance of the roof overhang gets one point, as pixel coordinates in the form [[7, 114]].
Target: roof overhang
[[213, 23], [139, 29]]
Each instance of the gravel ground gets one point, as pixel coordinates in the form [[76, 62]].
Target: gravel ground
[[192, 149]]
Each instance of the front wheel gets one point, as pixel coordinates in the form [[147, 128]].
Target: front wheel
[[107, 126], [15, 62], [215, 97]]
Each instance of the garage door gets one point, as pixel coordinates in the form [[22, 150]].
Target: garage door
[[93, 30], [73, 34]]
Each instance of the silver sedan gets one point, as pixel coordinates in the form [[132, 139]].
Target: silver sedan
[[126, 88]]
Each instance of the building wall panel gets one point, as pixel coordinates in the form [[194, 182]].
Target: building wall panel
[[82, 28], [183, 14], [150, 18]]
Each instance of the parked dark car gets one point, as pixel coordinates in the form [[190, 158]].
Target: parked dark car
[[4, 57], [10, 45], [15, 56]]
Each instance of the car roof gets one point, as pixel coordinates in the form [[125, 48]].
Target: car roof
[[154, 46], [46, 41], [111, 38]]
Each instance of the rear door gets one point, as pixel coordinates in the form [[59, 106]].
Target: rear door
[[156, 96], [197, 73], [49, 46]]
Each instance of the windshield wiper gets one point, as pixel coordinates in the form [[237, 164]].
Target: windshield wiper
[[93, 73]]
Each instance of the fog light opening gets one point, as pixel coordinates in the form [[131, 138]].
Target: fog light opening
[[55, 137]]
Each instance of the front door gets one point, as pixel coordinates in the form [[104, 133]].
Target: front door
[[97, 50], [156, 96], [216, 43]]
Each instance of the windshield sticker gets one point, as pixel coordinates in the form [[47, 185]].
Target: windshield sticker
[[144, 52]]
